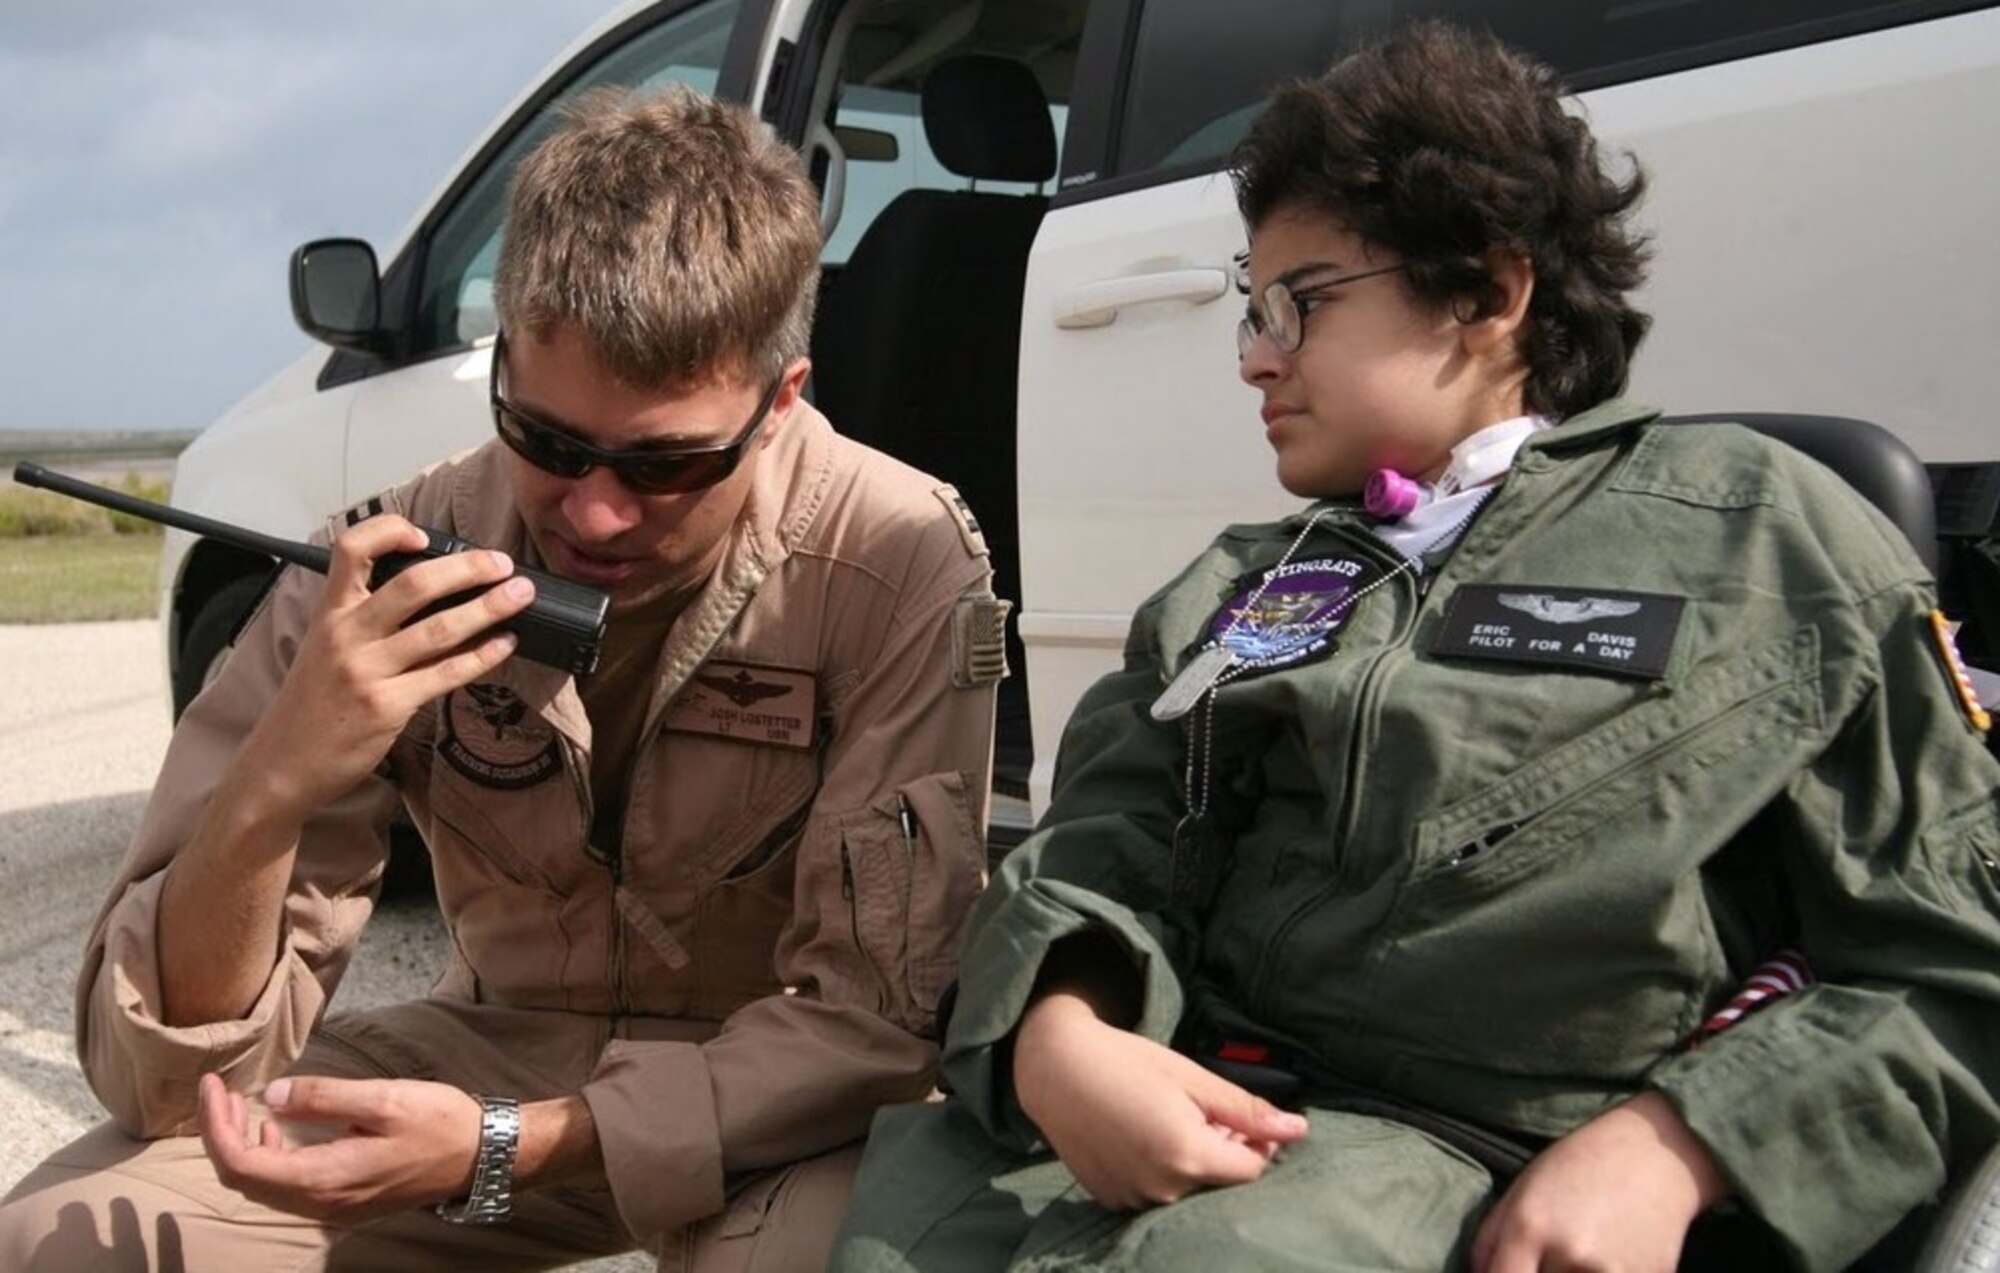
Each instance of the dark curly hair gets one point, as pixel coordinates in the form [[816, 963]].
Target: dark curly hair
[[1439, 144]]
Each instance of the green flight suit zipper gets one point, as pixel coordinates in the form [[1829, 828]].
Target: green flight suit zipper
[[1417, 591], [1365, 700]]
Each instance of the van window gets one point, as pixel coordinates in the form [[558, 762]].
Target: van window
[[455, 298], [887, 154], [877, 103], [1194, 88]]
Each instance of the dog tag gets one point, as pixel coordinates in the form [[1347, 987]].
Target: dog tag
[[1197, 864], [1195, 680]]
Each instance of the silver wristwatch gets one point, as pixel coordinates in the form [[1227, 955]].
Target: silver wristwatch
[[491, 1199]]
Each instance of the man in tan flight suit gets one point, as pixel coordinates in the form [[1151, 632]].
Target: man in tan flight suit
[[703, 901]]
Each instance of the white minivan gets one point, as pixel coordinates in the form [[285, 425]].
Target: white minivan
[[1030, 286]]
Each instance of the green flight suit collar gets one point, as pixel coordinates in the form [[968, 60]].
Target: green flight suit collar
[[1586, 428]]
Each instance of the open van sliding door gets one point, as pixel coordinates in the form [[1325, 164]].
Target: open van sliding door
[[916, 347], [1137, 440]]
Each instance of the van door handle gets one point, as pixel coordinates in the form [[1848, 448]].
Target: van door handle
[[1096, 304]]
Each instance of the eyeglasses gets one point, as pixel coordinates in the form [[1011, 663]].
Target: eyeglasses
[[1283, 314], [645, 470]]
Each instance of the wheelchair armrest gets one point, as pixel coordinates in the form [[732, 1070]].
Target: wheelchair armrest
[[1966, 1237]]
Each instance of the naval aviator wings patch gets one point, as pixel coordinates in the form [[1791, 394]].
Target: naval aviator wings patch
[[748, 703], [1595, 629], [1550, 608]]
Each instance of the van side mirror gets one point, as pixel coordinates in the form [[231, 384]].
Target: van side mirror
[[337, 293]]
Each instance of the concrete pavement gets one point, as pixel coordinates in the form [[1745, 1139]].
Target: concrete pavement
[[83, 726]]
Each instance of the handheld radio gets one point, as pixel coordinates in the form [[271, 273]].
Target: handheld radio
[[564, 628]]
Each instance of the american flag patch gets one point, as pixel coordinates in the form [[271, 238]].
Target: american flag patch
[[1945, 634]]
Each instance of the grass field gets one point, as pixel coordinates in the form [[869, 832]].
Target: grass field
[[69, 578], [62, 560]]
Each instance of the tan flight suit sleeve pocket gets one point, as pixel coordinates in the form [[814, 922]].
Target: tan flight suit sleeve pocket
[[912, 867]]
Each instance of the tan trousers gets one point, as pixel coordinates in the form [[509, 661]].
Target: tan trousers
[[108, 1202]]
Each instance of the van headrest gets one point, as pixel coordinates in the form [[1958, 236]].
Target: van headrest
[[987, 118]]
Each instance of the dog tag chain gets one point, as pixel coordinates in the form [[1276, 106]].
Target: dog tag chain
[[1207, 667], [1195, 680]]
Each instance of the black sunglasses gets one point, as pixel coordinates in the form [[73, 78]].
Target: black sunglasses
[[645, 470]]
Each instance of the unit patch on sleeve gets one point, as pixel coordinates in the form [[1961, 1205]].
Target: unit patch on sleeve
[[1944, 640], [749, 703], [1596, 629], [494, 738]]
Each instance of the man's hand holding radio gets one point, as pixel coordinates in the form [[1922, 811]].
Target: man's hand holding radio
[[360, 674], [356, 680]]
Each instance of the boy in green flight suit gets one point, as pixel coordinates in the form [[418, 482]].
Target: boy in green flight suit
[[1445, 818]]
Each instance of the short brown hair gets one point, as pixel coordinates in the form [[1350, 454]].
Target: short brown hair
[[1440, 144], [676, 232]]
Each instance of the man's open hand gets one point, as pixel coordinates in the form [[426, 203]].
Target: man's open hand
[[394, 1144]]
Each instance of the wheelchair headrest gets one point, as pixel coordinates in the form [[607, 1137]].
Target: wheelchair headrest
[[987, 118]]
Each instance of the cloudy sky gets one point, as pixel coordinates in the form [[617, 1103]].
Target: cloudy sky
[[159, 159]]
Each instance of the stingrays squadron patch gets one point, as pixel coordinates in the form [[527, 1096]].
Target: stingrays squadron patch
[[1290, 613], [494, 738]]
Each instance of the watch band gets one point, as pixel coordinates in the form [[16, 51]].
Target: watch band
[[491, 1198]]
